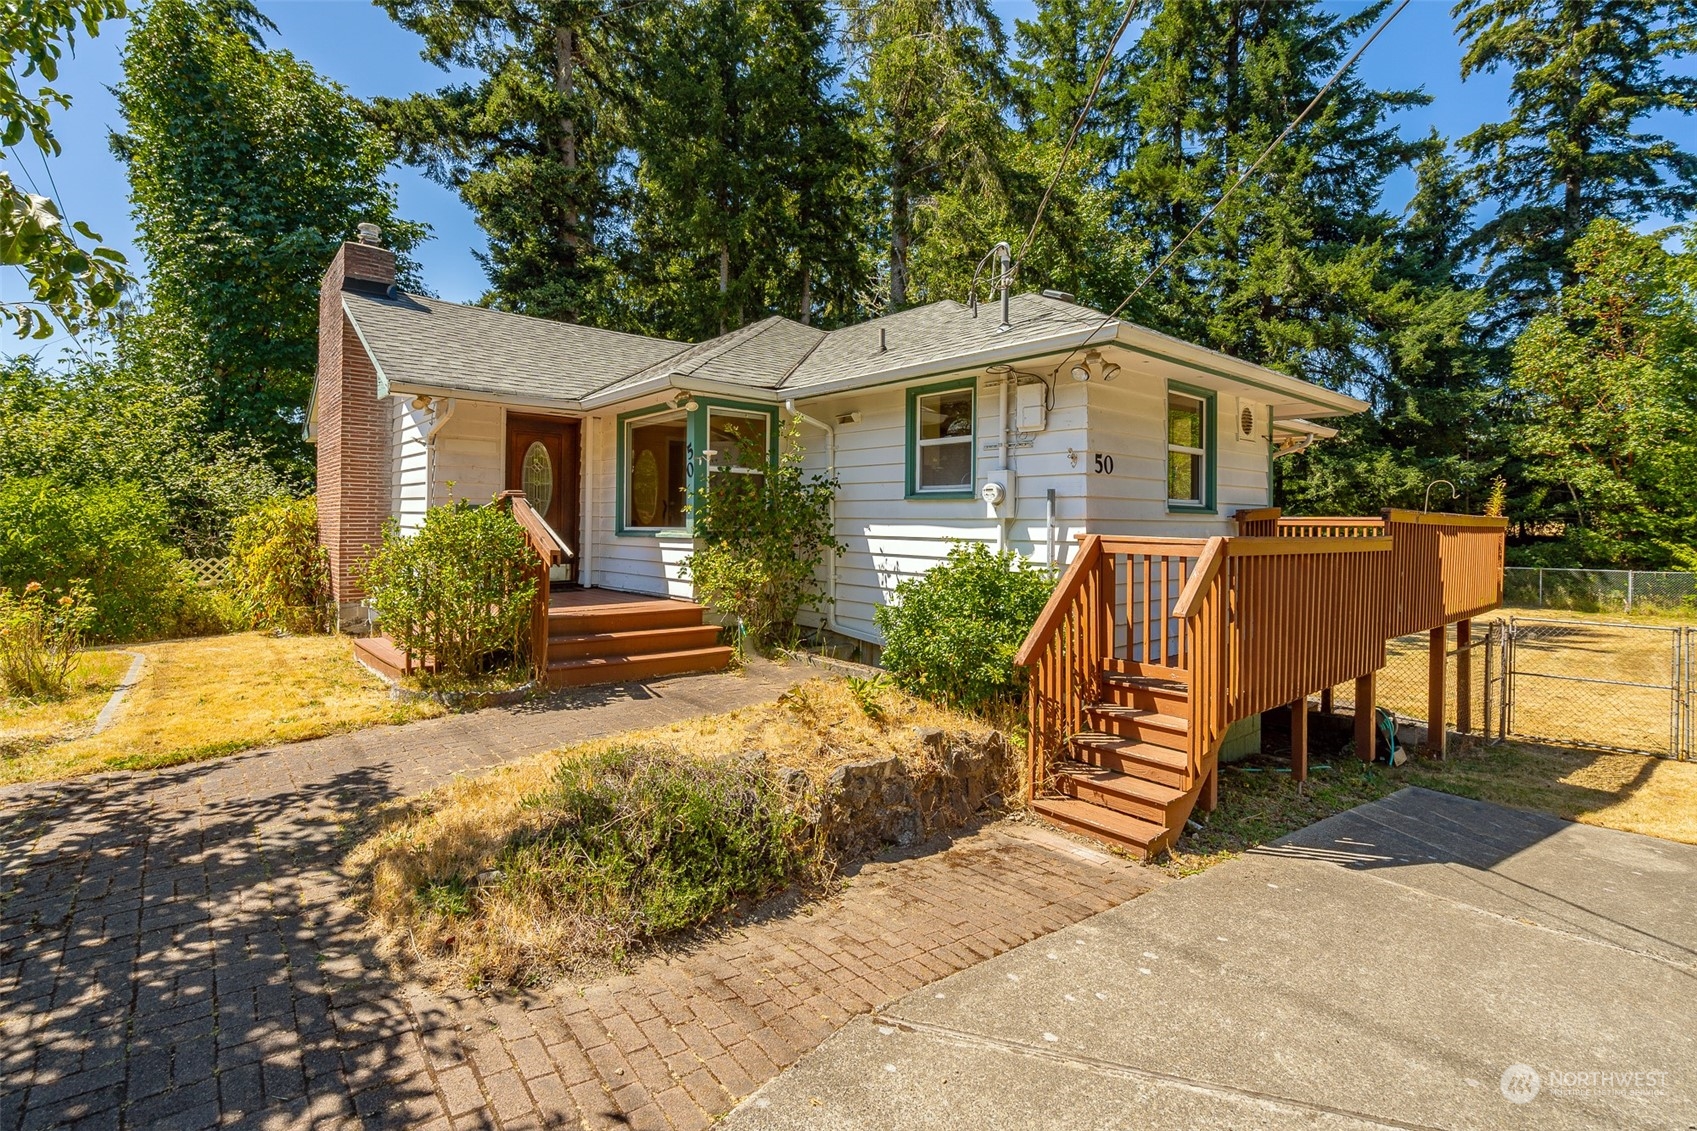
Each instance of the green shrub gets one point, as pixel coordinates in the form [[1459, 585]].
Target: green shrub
[[647, 841], [951, 634], [112, 537], [762, 537], [459, 590], [41, 630], [277, 568]]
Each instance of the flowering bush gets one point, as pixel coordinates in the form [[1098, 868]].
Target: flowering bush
[[40, 633]]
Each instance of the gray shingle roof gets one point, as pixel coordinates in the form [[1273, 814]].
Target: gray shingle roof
[[424, 342]]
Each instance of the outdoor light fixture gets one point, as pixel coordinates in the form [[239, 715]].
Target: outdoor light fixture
[[1092, 366], [686, 402]]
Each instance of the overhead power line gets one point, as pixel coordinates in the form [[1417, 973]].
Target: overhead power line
[[1343, 68]]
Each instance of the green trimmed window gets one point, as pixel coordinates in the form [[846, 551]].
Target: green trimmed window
[[1188, 431], [942, 429], [656, 472]]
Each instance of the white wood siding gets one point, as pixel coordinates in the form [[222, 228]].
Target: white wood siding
[[409, 471], [467, 461]]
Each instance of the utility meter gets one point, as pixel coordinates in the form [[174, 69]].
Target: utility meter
[[993, 493]]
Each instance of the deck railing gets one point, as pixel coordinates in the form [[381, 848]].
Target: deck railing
[[1251, 622], [550, 550]]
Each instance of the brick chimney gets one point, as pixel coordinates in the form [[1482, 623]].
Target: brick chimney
[[352, 432]]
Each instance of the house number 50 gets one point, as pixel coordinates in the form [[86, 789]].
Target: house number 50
[[1104, 464]]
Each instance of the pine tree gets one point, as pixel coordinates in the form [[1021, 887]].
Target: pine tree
[[929, 80], [1608, 386], [744, 170], [529, 141], [247, 170], [1587, 73], [1059, 54]]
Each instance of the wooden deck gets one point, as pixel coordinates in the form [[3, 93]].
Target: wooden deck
[[1150, 649]]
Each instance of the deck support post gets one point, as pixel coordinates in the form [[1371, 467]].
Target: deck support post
[[1437, 729], [1464, 676], [1366, 724], [1299, 740], [1210, 799], [1326, 701]]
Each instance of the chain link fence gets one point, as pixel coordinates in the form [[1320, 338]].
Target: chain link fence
[[1588, 684], [1600, 590]]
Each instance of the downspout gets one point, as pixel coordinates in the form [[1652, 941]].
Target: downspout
[[438, 417], [831, 471], [1006, 515]]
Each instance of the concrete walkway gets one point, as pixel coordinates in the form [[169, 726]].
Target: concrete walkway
[[1390, 967], [175, 952]]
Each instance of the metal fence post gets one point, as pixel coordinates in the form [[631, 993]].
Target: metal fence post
[[1540, 587], [1629, 591], [1490, 641]]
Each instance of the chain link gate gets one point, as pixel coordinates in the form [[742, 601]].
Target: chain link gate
[[1595, 684]]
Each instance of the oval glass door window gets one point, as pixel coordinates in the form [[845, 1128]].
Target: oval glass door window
[[538, 476], [645, 488]]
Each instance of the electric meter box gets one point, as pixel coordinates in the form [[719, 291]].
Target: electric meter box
[[1031, 413]]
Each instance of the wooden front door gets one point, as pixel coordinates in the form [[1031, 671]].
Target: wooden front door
[[543, 456]]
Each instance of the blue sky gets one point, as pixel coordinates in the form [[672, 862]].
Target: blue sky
[[355, 44]]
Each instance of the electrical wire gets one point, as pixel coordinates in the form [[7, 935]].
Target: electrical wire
[[1072, 138], [1343, 68]]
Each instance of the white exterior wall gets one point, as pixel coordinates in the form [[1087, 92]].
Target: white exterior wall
[[466, 463], [409, 493]]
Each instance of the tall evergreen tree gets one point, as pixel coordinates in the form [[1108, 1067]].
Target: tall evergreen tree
[[1586, 75], [247, 170], [745, 165], [1059, 54], [1608, 407], [529, 142], [930, 81]]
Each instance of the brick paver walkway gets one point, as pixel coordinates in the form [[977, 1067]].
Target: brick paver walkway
[[174, 951]]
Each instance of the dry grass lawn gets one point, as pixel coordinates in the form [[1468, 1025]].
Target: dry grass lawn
[[1630, 792], [458, 838], [214, 695], [96, 676]]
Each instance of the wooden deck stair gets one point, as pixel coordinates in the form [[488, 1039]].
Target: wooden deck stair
[[601, 636], [1126, 781]]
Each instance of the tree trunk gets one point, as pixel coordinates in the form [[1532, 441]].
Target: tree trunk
[[565, 81], [900, 218], [806, 297], [724, 283]]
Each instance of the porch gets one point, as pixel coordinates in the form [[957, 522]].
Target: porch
[[581, 636], [1150, 650]]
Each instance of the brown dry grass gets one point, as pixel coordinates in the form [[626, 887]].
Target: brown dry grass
[[27, 723], [461, 829], [215, 695], [1631, 792]]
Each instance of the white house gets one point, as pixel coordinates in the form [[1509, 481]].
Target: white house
[[942, 422]]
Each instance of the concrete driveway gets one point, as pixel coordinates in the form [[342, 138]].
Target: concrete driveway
[[1422, 962]]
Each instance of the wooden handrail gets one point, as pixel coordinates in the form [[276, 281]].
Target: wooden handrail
[[1290, 547], [1207, 568], [549, 546], [1060, 601], [1477, 521]]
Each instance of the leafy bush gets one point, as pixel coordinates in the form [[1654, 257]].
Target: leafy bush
[[40, 633], [951, 634], [112, 537], [278, 569], [459, 590], [762, 537]]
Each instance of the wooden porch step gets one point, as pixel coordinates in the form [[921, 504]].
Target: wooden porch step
[[1162, 696], [1139, 837], [621, 669], [578, 646], [1125, 793], [1160, 764], [1141, 723], [627, 616]]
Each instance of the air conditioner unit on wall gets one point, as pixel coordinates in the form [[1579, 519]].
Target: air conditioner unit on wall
[[1253, 424]]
